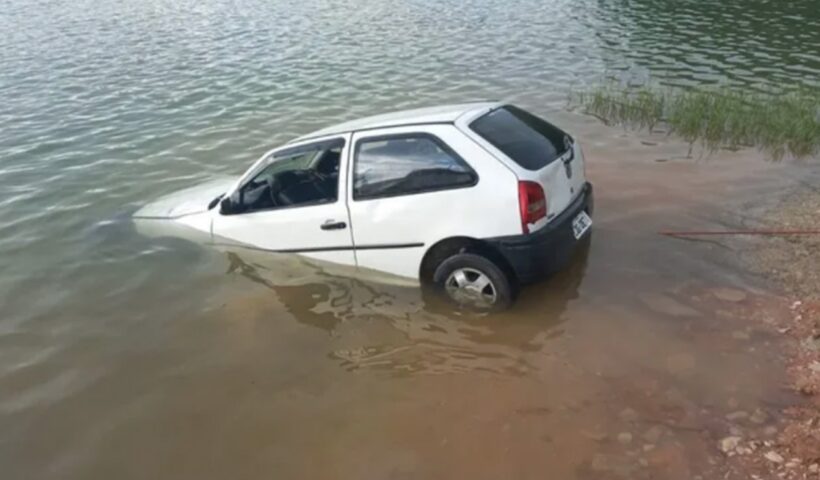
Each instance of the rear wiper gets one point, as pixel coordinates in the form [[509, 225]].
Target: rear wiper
[[568, 148]]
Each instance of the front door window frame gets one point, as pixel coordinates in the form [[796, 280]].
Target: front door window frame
[[270, 157]]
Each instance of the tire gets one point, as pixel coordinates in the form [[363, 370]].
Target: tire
[[475, 271]]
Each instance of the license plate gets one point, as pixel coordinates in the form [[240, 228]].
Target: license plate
[[581, 224]]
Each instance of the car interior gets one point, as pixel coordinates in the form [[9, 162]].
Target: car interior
[[277, 188]]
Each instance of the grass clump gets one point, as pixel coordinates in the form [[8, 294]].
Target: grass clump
[[786, 124]]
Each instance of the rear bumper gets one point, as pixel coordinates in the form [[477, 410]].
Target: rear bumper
[[536, 255]]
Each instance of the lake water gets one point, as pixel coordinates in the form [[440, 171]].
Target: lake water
[[122, 356]]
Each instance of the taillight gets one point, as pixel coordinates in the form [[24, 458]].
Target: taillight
[[532, 202]]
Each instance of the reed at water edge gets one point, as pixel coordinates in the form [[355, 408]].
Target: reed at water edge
[[781, 124]]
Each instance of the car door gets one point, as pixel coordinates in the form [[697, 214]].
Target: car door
[[287, 203], [411, 187]]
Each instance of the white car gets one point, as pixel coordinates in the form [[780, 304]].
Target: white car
[[477, 199]]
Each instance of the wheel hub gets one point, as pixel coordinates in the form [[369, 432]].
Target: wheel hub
[[472, 287]]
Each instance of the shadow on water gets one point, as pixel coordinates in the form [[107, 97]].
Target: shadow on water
[[299, 300], [428, 319], [551, 298]]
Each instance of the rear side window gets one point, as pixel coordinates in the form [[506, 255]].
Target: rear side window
[[525, 138], [407, 164]]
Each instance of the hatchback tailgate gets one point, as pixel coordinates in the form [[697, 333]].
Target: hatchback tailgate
[[562, 179], [536, 151]]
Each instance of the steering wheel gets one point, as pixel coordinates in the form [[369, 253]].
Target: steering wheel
[[315, 175]]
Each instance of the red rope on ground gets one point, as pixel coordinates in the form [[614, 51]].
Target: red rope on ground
[[697, 233]]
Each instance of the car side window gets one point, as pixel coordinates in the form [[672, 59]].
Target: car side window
[[302, 176], [407, 164]]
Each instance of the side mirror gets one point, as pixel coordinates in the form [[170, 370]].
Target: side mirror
[[226, 207], [215, 202]]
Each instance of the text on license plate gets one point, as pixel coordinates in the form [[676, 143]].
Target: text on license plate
[[580, 224]]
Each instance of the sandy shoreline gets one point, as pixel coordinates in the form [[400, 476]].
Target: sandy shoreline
[[789, 308], [792, 263]]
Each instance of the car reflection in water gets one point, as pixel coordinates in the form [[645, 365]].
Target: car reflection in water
[[408, 331]]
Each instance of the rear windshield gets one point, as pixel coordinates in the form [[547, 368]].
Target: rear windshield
[[525, 138]]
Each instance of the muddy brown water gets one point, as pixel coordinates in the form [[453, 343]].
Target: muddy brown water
[[625, 365]]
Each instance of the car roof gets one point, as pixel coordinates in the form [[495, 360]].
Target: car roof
[[418, 116]]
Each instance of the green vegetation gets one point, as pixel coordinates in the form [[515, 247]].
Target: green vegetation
[[786, 124]]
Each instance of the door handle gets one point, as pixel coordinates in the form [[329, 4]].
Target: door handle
[[332, 225]]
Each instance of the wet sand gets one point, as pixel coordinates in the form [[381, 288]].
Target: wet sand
[[792, 262], [632, 363]]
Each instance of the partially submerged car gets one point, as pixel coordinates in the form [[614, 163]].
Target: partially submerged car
[[477, 199]]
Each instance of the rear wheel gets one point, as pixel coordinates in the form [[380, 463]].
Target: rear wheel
[[474, 281]]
